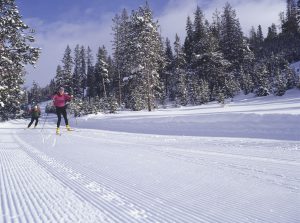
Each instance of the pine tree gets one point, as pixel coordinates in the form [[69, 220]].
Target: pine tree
[[90, 81], [76, 78], [79, 75], [289, 76], [35, 94], [279, 83], [260, 36], [179, 77], [290, 24], [101, 73], [83, 70], [145, 60], [15, 52], [188, 43], [246, 81], [168, 68], [261, 80], [231, 41], [216, 25], [52, 87], [121, 41], [113, 79], [272, 32], [68, 63], [59, 78]]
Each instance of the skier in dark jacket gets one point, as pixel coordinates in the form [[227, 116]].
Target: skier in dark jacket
[[35, 114], [59, 101]]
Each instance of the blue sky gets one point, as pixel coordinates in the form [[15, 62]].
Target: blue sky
[[74, 10], [59, 23]]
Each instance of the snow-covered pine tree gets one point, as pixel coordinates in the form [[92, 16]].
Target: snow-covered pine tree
[[79, 75], [281, 75], [272, 32], [216, 25], [260, 36], [35, 94], [167, 71], [246, 80], [145, 59], [15, 52], [76, 77], [101, 73], [120, 46], [279, 83], [271, 43], [188, 43], [288, 41], [261, 79], [59, 78], [231, 41], [52, 87], [179, 76], [256, 41], [290, 24], [83, 70], [68, 63], [290, 76], [198, 75], [90, 81]]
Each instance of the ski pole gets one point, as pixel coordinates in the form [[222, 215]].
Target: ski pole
[[44, 122]]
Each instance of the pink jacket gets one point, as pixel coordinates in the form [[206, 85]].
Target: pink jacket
[[60, 100]]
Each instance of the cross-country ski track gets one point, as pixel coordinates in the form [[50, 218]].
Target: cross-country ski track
[[99, 175]]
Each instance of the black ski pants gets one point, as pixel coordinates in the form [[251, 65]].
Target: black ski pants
[[61, 111], [32, 120]]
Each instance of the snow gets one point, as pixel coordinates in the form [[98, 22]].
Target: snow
[[6, 59], [237, 163], [296, 67], [140, 18]]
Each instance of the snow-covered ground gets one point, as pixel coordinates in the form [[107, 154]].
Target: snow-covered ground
[[238, 163]]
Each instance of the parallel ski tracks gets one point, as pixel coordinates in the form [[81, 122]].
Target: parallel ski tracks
[[84, 178], [251, 171], [29, 194], [118, 207], [272, 178]]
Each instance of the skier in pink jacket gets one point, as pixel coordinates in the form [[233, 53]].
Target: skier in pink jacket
[[59, 101]]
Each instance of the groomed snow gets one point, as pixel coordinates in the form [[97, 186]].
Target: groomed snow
[[237, 163]]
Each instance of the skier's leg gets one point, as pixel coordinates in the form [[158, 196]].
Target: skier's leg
[[58, 113], [32, 119], [64, 113], [36, 122]]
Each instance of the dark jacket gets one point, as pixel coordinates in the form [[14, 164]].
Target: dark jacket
[[35, 113]]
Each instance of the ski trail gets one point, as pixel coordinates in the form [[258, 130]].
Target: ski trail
[[121, 199], [28, 193], [103, 197], [221, 162]]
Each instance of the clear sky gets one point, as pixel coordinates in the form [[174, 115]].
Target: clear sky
[[59, 23]]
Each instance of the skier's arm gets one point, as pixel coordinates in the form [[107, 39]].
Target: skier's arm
[[68, 97]]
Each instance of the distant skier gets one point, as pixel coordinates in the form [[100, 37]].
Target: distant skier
[[59, 101], [35, 114]]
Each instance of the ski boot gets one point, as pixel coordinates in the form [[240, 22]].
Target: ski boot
[[57, 131], [68, 128]]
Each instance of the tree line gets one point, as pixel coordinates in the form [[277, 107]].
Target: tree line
[[214, 62]]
